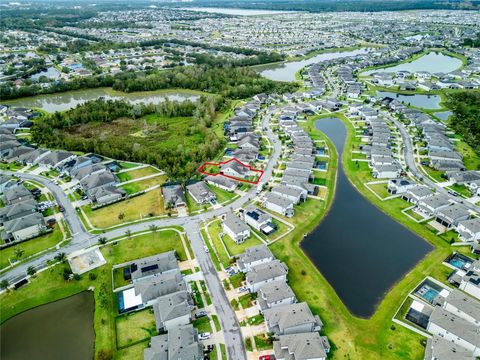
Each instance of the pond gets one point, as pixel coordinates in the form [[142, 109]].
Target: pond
[[51, 73], [286, 71], [361, 251], [68, 100], [59, 330], [417, 100], [432, 62], [443, 115]]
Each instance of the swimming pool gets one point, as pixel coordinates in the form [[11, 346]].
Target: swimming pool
[[428, 293], [459, 261]]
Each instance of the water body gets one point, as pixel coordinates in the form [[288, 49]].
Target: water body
[[59, 330], [432, 62], [70, 99], [231, 11], [286, 71], [50, 73], [361, 251], [417, 100], [443, 115]]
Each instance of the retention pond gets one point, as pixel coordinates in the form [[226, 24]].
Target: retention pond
[[361, 251]]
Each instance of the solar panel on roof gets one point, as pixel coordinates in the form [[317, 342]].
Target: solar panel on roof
[[149, 268]]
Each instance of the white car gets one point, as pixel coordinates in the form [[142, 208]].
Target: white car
[[206, 249], [204, 336]]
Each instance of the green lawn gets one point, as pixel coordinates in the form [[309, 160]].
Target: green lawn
[[214, 257], [193, 206], [142, 185], [263, 342], [118, 279], [134, 327], [203, 325], [214, 229], [237, 279], [216, 322], [31, 247], [237, 249], [380, 189], [461, 189], [281, 229], [247, 300], [471, 159], [222, 195], [133, 352], [136, 208], [136, 174]]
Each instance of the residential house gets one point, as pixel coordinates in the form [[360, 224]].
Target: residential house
[[23, 228], [173, 196], [293, 194], [262, 274], [18, 210], [151, 288], [234, 227], [450, 216], [173, 310], [253, 256], [292, 319], [221, 182], [181, 342], [469, 230], [417, 193], [153, 265], [234, 169], [399, 186], [279, 204], [303, 346], [438, 348], [432, 204], [455, 329], [16, 194], [277, 293], [201, 193], [259, 219]]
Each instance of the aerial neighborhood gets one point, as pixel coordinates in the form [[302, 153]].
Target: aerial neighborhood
[[271, 182]]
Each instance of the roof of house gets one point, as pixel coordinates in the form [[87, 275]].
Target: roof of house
[[256, 214], [10, 211], [234, 223], [23, 222], [435, 201], [290, 316], [172, 306], [200, 190], [152, 265], [441, 349], [275, 291], [221, 180], [285, 190], [454, 211], [54, 157], [278, 200], [17, 192], [179, 343], [173, 194], [98, 179], [456, 325], [266, 271], [462, 302], [156, 286], [473, 224], [299, 347], [255, 253]]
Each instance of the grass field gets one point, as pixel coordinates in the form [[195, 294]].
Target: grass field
[[136, 208], [134, 327], [31, 246], [145, 184], [49, 286], [136, 174]]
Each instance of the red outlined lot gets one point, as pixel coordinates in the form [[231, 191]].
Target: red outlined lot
[[202, 170]]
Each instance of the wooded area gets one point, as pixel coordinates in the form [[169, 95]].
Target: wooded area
[[465, 121]]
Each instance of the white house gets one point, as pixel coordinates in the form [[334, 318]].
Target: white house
[[253, 256], [279, 204], [469, 230], [234, 227], [262, 274]]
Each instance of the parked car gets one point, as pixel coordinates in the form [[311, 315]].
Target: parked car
[[206, 249], [61, 208], [241, 289], [200, 314], [204, 336], [267, 357]]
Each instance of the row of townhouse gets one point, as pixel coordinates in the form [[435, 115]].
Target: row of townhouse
[[467, 279], [242, 122], [471, 179], [96, 180], [452, 318], [295, 184], [379, 140], [21, 217], [351, 87], [157, 282], [450, 214], [295, 328]]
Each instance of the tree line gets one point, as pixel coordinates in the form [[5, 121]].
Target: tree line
[[466, 116]]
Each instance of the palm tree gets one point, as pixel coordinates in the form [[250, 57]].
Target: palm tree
[[31, 271], [19, 252], [128, 233]]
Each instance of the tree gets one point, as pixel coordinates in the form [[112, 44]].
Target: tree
[[153, 228], [4, 284], [60, 257], [102, 240], [31, 271], [128, 233], [19, 252]]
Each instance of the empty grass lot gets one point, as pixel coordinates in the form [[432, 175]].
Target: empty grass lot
[[133, 352], [31, 247], [138, 173], [145, 184], [136, 208], [133, 327]]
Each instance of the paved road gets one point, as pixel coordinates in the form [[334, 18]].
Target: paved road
[[408, 153], [82, 239]]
